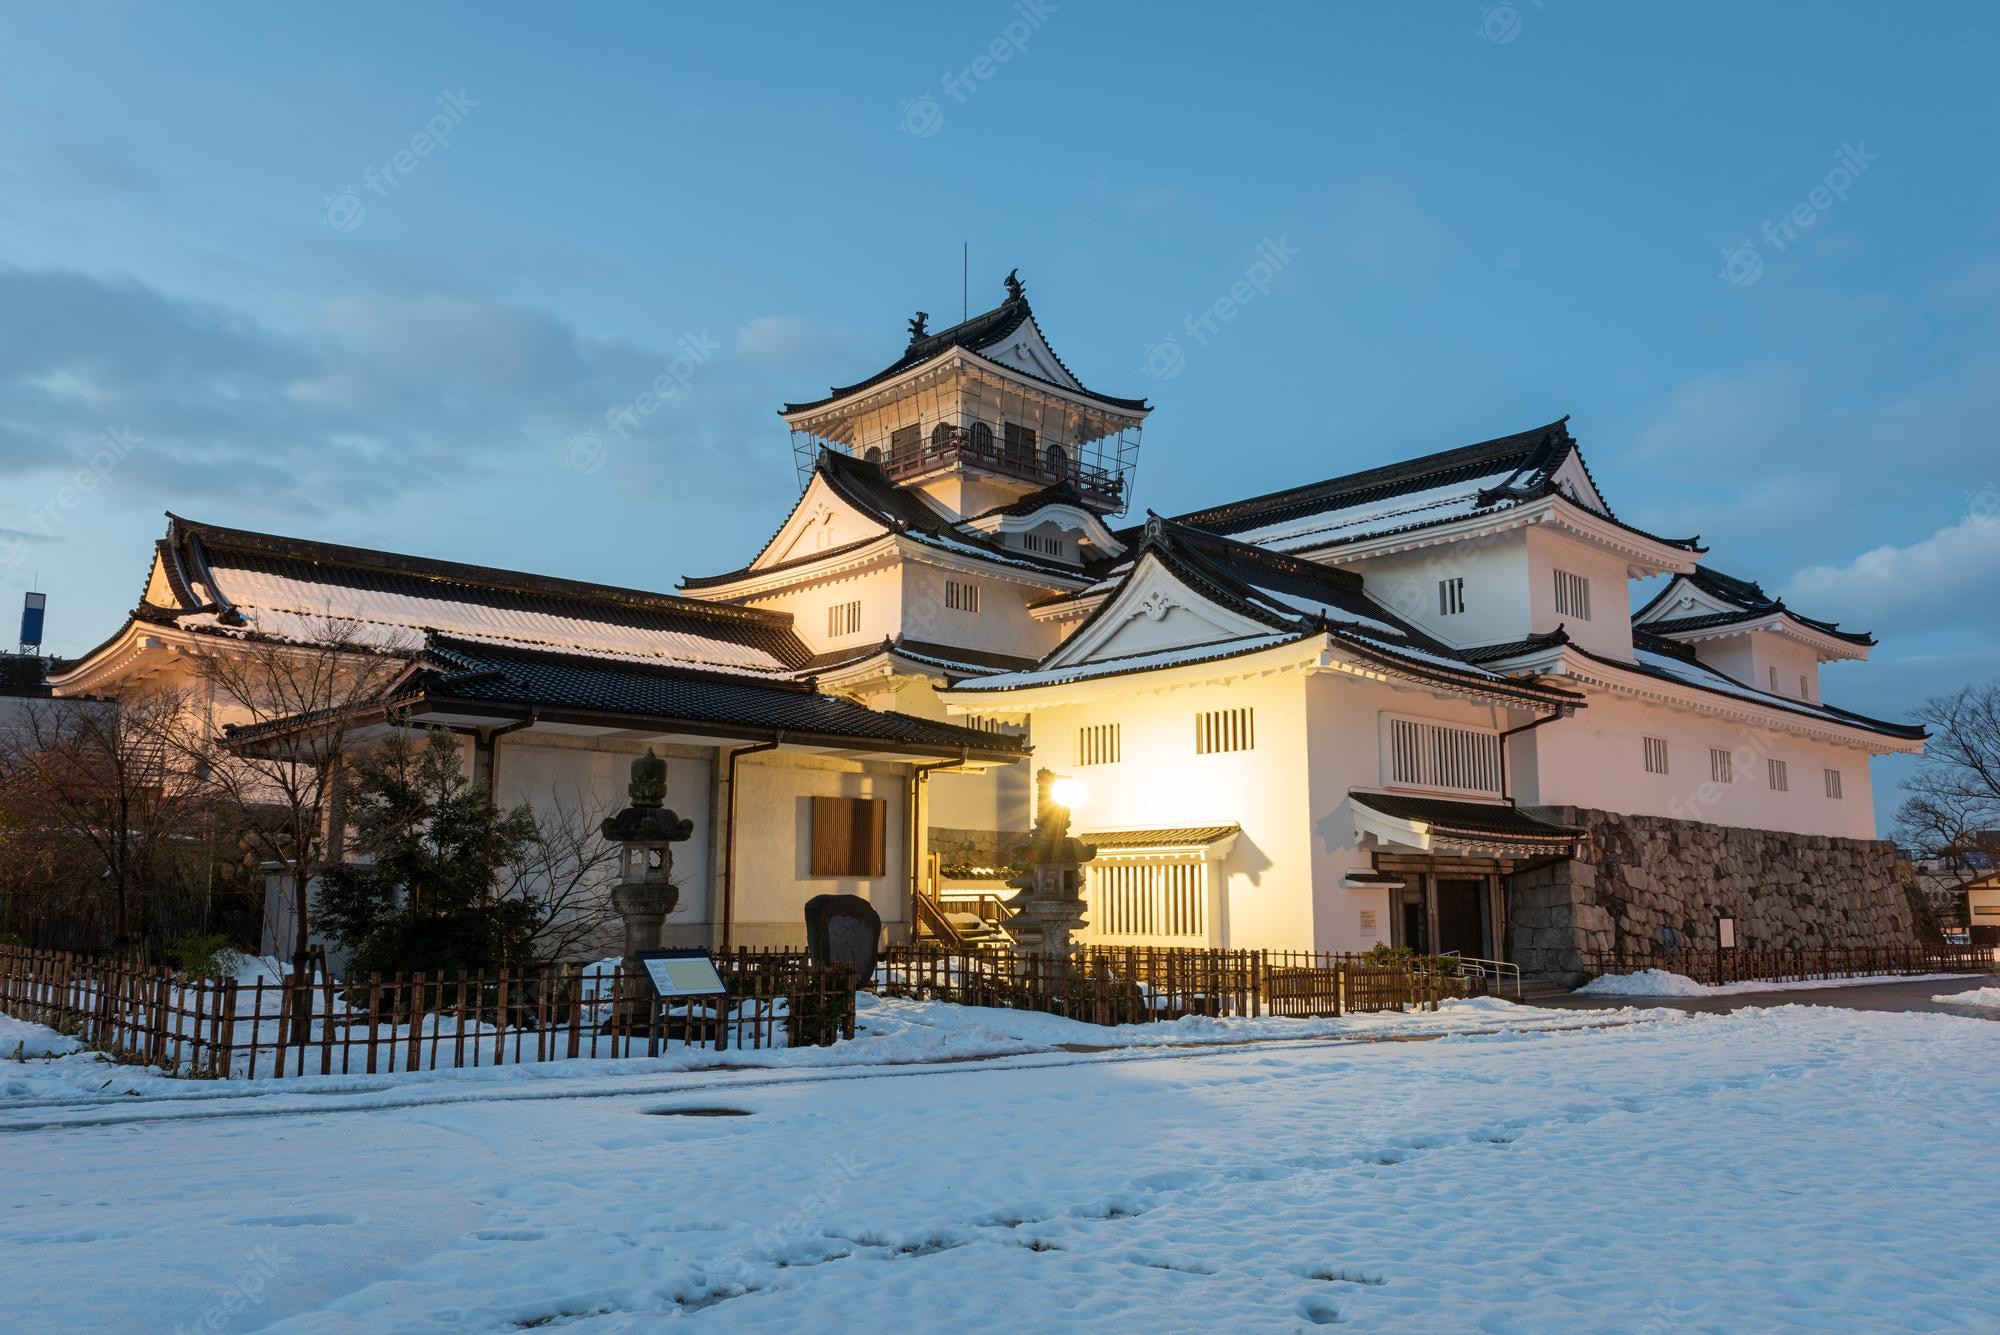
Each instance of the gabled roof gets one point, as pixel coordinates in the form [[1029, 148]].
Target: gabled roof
[[946, 658], [238, 582], [981, 332], [1293, 598], [899, 510], [1743, 601], [1486, 824], [1490, 476], [454, 674]]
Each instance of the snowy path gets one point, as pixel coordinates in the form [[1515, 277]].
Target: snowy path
[[1796, 1167]]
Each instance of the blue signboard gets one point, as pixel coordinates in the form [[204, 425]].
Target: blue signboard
[[31, 620]]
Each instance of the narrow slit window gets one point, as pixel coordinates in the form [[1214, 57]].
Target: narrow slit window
[[961, 595], [1656, 755], [1721, 766], [1225, 730], [1097, 744], [1833, 783], [1781, 779], [1572, 596], [1451, 597], [844, 618]]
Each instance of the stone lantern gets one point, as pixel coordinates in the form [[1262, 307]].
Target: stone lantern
[[645, 833], [1048, 903]]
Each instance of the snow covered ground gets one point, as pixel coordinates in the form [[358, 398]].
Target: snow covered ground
[[1624, 1170], [1978, 996], [1660, 983]]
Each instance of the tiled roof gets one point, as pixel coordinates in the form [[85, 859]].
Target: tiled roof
[[458, 671], [276, 585], [942, 655], [1470, 822], [1178, 837], [984, 330], [1750, 600], [1416, 493]]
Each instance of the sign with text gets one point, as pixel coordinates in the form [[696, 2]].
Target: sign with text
[[682, 973]]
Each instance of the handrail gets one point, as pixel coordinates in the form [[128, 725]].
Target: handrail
[[933, 918], [1501, 969]]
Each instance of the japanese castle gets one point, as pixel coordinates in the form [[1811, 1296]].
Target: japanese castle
[[1412, 705]]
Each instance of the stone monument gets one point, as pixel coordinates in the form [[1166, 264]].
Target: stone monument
[[1048, 899], [645, 832], [844, 929]]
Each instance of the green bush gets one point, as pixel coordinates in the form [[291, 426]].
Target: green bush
[[207, 955]]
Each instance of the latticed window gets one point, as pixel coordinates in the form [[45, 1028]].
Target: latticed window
[[1721, 766], [1656, 755], [961, 595], [1451, 597], [1780, 776], [1572, 596], [844, 619], [903, 441], [1148, 899], [1436, 755], [1225, 730], [1097, 744], [1833, 783]]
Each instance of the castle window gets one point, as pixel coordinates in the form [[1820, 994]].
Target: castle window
[[849, 836], [1148, 899], [1044, 543], [1097, 744], [1056, 459], [1572, 596], [1774, 681], [1721, 769], [1656, 755], [941, 435], [1804, 694], [1433, 755], [1833, 783], [1781, 779], [844, 619], [1451, 597], [873, 454], [961, 595], [1020, 442], [982, 439], [903, 441], [1225, 730]]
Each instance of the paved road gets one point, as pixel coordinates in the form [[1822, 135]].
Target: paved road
[[1910, 996]]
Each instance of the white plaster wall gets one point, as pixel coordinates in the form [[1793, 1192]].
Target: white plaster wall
[[1495, 571], [590, 778], [879, 591], [774, 843], [1596, 759], [1001, 625], [1609, 630], [1754, 657], [1263, 887]]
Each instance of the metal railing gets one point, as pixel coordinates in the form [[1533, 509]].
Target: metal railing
[[1491, 975]]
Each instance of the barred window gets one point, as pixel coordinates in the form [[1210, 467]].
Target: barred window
[[1833, 783], [1225, 730], [961, 595], [1781, 779], [1656, 755], [844, 618], [1148, 899], [1721, 767], [1433, 755], [1451, 597], [1097, 744], [1045, 544], [1572, 596]]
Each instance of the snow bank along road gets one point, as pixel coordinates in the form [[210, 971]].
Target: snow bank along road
[[1787, 1168]]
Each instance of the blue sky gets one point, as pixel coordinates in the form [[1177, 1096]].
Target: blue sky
[[223, 293]]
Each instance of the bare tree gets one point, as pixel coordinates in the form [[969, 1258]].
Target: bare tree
[[299, 708], [568, 872], [102, 777], [1954, 806]]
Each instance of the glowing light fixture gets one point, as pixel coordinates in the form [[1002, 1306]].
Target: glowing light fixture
[[1067, 792]]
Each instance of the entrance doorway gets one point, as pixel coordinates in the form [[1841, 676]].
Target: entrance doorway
[[1415, 924], [1461, 917]]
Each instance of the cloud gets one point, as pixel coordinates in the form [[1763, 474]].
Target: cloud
[[370, 391], [1944, 580]]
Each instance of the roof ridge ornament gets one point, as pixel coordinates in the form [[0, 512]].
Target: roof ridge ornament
[[920, 326], [1016, 290]]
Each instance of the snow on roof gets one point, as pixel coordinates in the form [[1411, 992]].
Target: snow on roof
[[1112, 667], [288, 608], [1454, 500]]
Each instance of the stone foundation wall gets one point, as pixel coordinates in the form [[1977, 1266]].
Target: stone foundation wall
[[1649, 882], [977, 848]]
